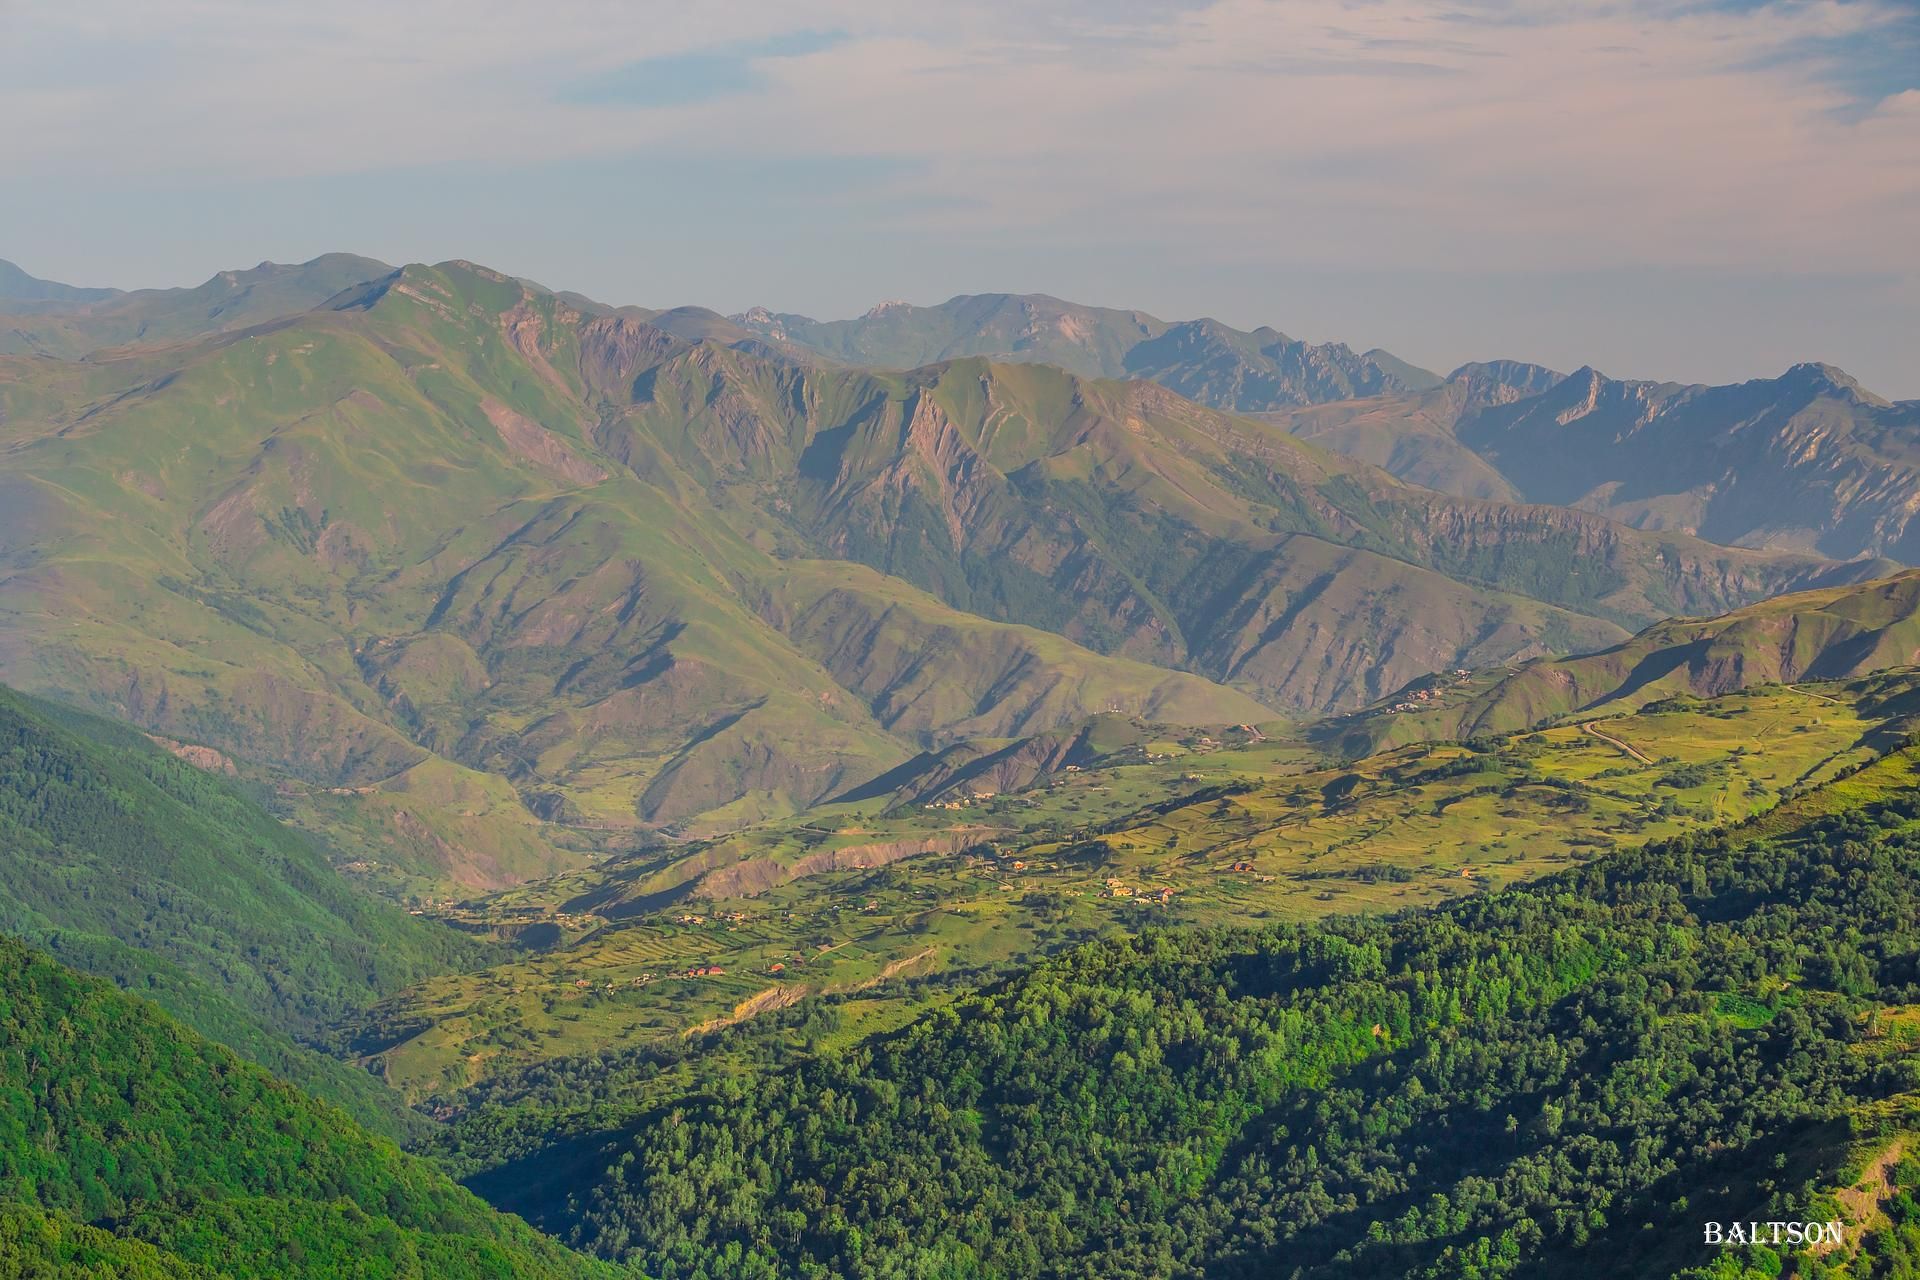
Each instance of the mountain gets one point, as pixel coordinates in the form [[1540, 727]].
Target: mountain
[[1413, 435], [486, 579], [1561, 1079], [1204, 360], [1807, 461], [129, 1146], [70, 323], [129, 862], [1813, 635], [16, 286]]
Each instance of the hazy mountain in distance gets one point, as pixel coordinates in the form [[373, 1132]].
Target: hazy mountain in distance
[[1412, 434], [79, 322], [1809, 460], [1203, 360], [17, 287]]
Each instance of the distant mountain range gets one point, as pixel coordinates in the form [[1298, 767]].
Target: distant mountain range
[[17, 288], [1809, 460], [1203, 360], [571, 568], [953, 814], [40, 317]]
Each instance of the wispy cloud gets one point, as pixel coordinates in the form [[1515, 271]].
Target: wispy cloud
[[1565, 133], [682, 78]]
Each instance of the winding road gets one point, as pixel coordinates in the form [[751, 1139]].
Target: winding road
[[1606, 737]]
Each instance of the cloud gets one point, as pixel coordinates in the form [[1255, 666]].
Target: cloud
[[683, 78], [1391, 133]]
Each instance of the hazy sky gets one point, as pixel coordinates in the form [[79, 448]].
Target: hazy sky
[[1685, 190]]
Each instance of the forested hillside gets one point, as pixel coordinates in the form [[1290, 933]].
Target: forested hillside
[[113, 1115], [41, 318], [1563, 1079], [127, 862]]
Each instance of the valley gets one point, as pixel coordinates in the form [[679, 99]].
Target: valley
[[678, 775], [818, 641], [886, 909]]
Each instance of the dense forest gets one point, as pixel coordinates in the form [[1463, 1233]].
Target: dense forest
[[131, 1147], [171, 881], [1564, 1079], [1567, 1078]]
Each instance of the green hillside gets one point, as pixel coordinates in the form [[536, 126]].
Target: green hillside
[[1812, 635], [1561, 1079], [128, 863], [183, 1160], [487, 583]]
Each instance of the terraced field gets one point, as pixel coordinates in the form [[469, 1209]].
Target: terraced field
[[1261, 827]]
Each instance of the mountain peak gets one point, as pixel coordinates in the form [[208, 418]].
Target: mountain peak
[[16, 285], [1821, 378], [1497, 382]]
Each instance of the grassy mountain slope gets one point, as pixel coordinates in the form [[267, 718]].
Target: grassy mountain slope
[[1140, 524], [114, 1115], [1203, 360], [1814, 635], [368, 550], [1563, 1079], [1025, 327], [934, 672], [131, 864], [76, 322], [451, 552]]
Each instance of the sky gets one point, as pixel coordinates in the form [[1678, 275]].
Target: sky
[[1687, 191]]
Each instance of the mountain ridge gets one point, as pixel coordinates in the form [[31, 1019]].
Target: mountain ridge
[[17, 286], [1807, 460], [1826, 634], [1202, 359], [451, 535], [71, 324]]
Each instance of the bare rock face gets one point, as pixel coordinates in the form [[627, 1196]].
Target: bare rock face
[[199, 757]]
